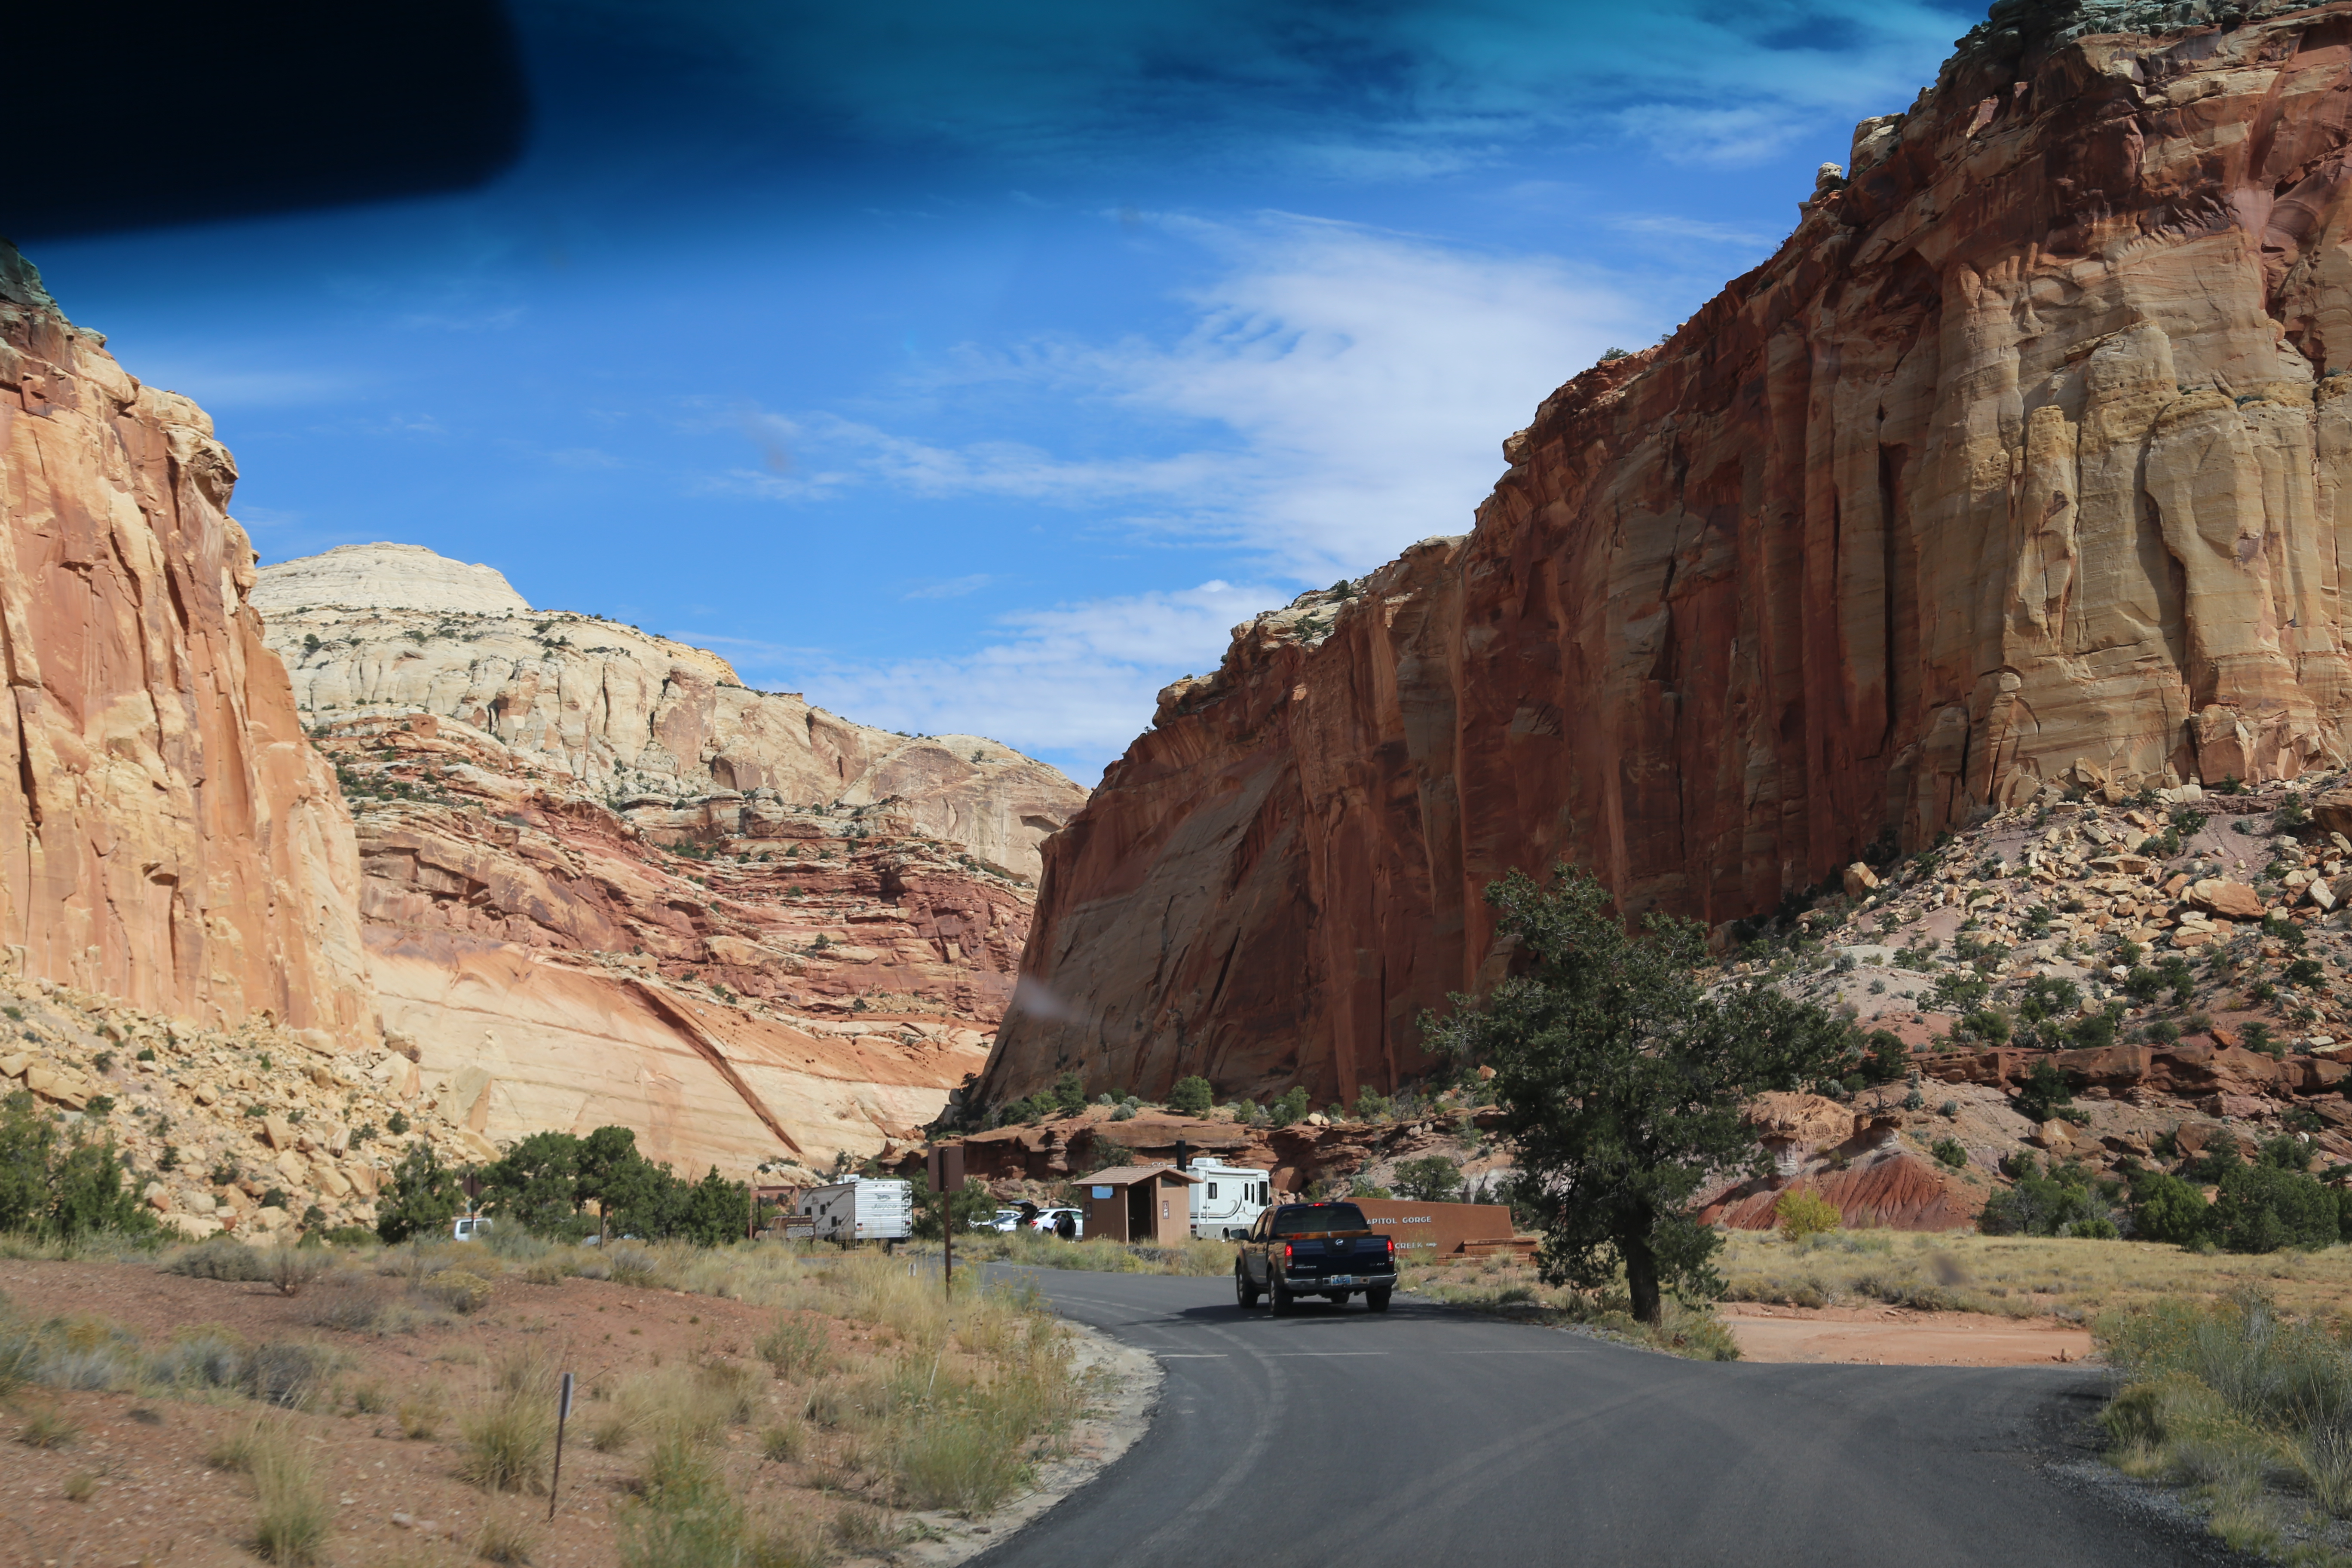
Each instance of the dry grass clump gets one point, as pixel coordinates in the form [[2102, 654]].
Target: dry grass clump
[[505, 1537], [80, 1486], [1036, 1249], [44, 1427], [507, 1439], [2240, 1404], [419, 1418], [291, 1517], [2016, 1276], [796, 1347]]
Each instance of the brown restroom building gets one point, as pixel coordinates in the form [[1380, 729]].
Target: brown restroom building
[[1139, 1203]]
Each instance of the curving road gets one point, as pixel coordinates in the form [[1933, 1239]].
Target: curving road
[[1427, 1438]]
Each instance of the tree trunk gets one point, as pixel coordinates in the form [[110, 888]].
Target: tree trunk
[[1642, 1281]]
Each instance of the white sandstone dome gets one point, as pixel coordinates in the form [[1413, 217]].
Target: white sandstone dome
[[385, 577]]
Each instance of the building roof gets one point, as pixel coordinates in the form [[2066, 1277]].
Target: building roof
[[1127, 1175]]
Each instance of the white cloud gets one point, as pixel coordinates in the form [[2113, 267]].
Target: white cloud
[[1346, 391], [1340, 392], [1076, 681]]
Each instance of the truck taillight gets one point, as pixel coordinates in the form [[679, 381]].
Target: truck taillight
[[1286, 1250], [1388, 1242]]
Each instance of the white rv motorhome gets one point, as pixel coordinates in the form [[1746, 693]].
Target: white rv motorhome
[[1227, 1199], [861, 1210]]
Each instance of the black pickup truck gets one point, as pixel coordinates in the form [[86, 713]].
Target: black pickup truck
[[1314, 1249]]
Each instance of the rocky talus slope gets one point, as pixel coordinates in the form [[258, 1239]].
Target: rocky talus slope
[[633, 718], [241, 1129], [2018, 464], [170, 839], [2180, 963], [2179, 959], [600, 871]]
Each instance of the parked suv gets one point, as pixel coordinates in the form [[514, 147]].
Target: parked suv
[[1314, 1249]]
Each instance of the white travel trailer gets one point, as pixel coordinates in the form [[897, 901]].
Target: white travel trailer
[[861, 1210], [1227, 1199]]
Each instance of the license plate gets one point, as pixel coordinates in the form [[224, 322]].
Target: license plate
[[1338, 1280]]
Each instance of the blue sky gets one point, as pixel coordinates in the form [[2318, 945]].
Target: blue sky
[[977, 368]]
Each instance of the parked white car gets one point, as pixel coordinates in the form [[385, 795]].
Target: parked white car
[[1049, 1221], [471, 1228]]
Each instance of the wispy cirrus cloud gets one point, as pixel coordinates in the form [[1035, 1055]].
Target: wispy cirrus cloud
[[1338, 392], [1074, 681]]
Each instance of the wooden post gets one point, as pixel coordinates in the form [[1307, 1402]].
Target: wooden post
[[563, 1414]]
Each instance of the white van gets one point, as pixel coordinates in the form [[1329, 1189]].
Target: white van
[[861, 1210], [1227, 1199], [470, 1227]]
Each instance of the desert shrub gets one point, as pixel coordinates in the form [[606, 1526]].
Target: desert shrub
[[2262, 1208], [1291, 1108], [2044, 1094], [199, 1358], [61, 1187], [293, 1269], [283, 1373], [2054, 1203], [349, 1305], [1430, 1179], [422, 1200], [219, 1258], [1949, 1151], [1887, 1058], [1192, 1096], [1802, 1212], [459, 1290]]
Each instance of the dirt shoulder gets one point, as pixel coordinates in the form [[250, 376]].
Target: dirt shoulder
[[133, 1481], [1891, 1336]]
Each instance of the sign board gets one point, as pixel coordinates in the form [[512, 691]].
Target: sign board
[[1437, 1228], [945, 1166], [1102, 1192], [564, 1406]]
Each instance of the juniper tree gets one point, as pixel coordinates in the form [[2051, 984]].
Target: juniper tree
[[1622, 1079]]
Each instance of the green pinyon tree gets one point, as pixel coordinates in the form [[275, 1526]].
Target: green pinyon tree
[[1622, 1079]]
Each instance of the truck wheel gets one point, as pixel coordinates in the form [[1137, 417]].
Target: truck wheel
[[1375, 1301], [1244, 1293], [1282, 1298]]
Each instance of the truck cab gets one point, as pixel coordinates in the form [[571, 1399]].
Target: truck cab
[[1314, 1249], [1227, 1199]]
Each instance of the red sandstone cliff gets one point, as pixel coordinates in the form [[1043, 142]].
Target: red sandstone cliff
[[167, 835], [2020, 461]]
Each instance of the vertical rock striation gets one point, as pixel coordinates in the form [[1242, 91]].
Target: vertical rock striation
[[167, 835], [2021, 464]]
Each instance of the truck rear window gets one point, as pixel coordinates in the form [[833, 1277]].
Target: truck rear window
[[1320, 1218]]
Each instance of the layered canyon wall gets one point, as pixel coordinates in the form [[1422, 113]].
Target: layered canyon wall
[[605, 882], [167, 834], [2019, 467]]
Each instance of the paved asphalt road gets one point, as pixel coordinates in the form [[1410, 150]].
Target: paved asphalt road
[[1424, 1437]]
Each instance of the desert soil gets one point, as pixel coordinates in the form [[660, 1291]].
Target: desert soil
[[157, 1501], [1891, 1336]]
